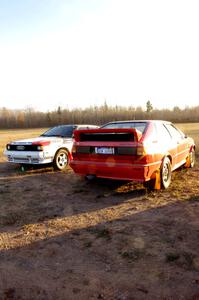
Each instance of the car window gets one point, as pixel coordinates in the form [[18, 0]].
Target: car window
[[137, 125], [162, 133], [175, 133], [60, 131]]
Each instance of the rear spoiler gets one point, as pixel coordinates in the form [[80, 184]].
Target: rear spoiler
[[80, 135]]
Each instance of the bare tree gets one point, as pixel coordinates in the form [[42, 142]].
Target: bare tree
[[29, 118]]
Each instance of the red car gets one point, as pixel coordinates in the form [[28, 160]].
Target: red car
[[145, 151]]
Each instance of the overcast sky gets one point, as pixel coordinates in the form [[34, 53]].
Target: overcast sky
[[77, 53]]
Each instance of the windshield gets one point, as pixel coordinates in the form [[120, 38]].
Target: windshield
[[60, 131], [137, 125]]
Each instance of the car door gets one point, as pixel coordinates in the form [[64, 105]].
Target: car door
[[166, 144], [182, 149]]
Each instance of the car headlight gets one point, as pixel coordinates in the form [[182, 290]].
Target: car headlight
[[8, 146], [40, 148]]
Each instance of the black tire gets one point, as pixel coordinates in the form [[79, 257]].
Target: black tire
[[149, 185], [192, 158], [24, 167], [60, 161], [165, 173]]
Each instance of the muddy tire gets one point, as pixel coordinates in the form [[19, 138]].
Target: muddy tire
[[60, 161], [165, 173]]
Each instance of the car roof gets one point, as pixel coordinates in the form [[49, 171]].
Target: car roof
[[139, 121], [87, 125], [76, 125]]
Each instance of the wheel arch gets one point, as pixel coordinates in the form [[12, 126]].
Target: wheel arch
[[169, 156], [192, 147], [62, 148], [166, 182], [58, 162]]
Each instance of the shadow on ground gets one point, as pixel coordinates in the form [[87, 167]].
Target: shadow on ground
[[64, 238]]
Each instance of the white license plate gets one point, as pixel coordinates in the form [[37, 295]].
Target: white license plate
[[104, 150]]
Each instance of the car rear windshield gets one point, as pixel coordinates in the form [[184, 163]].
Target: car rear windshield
[[60, 131], [137, 125], [110, 137]]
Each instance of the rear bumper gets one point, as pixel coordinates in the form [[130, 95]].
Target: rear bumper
[[27, 157], [112, 170]]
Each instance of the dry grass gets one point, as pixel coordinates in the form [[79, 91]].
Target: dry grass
[[192, 130]]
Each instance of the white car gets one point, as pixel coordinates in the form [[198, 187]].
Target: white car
[[52, 147]]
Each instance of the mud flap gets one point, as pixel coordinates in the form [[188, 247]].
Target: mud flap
[[157, 184], [188, 162]]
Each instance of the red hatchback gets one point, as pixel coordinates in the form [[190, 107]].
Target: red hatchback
[[145, 151]]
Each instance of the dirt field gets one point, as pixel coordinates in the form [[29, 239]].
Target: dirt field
[[64, 238]]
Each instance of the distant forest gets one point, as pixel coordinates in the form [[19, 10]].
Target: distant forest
[[29, 118]]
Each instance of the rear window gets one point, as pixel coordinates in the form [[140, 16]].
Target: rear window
[[137, 125], [110, 137]]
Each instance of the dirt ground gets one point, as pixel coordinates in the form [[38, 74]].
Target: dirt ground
[[64, 238]]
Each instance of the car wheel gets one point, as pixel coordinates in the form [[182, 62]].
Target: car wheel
[[165, 173], [60, 160], [192, 158]]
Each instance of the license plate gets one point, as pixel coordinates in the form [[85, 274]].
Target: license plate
[[104, 150], [20, 147]]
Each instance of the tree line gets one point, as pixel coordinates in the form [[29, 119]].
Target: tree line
[[29, 118]]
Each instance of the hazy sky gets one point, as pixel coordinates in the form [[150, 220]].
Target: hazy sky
[[83, 52]]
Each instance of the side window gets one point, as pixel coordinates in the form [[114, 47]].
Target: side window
[[174, 132], [162, 133]]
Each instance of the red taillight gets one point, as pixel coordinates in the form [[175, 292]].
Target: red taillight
[[74, 149], [141, 151]]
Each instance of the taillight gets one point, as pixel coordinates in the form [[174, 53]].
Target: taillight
[[141, 151], [74, 149]]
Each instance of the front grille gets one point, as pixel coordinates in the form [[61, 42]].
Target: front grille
[[16, 159], [23, 148], [23, 160]]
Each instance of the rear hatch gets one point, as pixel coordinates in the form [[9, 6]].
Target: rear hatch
[[124, 144]]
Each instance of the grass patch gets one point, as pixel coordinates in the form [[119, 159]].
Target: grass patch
[[194, 199]]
